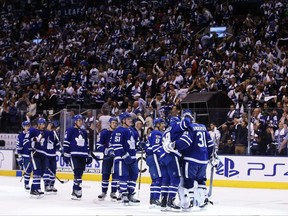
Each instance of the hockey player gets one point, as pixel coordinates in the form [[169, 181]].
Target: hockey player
[[76, 153], [39, 140], [196, 147], [53, 145], [24, 153], [152, 160], [103, 146], [170, 167], [123, 141]]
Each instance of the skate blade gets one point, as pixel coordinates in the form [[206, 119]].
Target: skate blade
[[186, 209], [51, 193], [164, 209], [75, 198], [36, 196], [126, 204], [134, 204], [173, 210], [154, 207], [101, 199]]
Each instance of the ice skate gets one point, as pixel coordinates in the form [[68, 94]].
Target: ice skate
[[27, 187], [171, 206], [125, 199], [119, 198], [155, 203], [189, 208], [163, 203], [133, 200], [48, 189], [36, 194], [53, 189], [206, 202], [102, 196], [113, 197], [76, 195]]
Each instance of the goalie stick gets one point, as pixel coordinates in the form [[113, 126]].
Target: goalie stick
[[95, 157], [212, 170], [61, 181]]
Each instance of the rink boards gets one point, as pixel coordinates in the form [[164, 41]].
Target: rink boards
[[234, 171]]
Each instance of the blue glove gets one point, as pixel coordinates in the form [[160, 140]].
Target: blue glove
[[20, 162], [165, 159], [66, 159], [111, 153], [127, 158], [142, 146], [89, 159]]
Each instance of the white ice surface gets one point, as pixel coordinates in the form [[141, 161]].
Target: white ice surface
[[14, 200]]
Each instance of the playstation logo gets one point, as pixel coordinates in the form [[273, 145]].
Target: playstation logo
[[227, 169]]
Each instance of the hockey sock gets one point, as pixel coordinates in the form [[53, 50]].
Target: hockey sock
[[77, 183], [114, 186], [131, 186], [36, 182], [123, 187]]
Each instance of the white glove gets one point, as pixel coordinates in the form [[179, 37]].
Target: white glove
[[169, 146], [214, 160]]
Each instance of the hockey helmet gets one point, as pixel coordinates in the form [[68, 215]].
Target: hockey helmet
[[77, 117], [158, 121], [41, 121], [25, 123], [113, 119], [124, 115]]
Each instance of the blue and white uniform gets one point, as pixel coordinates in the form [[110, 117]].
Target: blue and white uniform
[[152, 161], [103, 146], [76, 153], [24, 153], [53, 145], [123, 141]]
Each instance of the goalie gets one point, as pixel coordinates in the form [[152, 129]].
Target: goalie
[[196, 147]]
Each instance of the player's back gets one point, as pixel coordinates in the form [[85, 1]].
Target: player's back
[[198, 150]]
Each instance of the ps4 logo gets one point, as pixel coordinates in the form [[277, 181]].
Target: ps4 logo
[[227, 169]]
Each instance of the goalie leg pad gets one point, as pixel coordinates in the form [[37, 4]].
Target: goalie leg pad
[[200, 196]]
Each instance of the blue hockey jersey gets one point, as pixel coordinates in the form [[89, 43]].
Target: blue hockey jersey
[[42, 141], [103, 142], [154, 142], [76, 142], [124, 140], [195, 144], [23, 148], [53, 144]]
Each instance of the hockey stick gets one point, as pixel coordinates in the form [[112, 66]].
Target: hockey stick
[[25, 170], [140, 174], [212, 172], [95, 157], [61, 181]]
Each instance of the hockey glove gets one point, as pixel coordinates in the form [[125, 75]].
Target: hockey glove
[[109, 152], [214, 160], [187, 115], [89, 159], [127, 158], [169, 147], [20, 161], [142, 146], [66, 159]]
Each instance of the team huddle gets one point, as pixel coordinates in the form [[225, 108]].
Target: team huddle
[[177, 155]]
